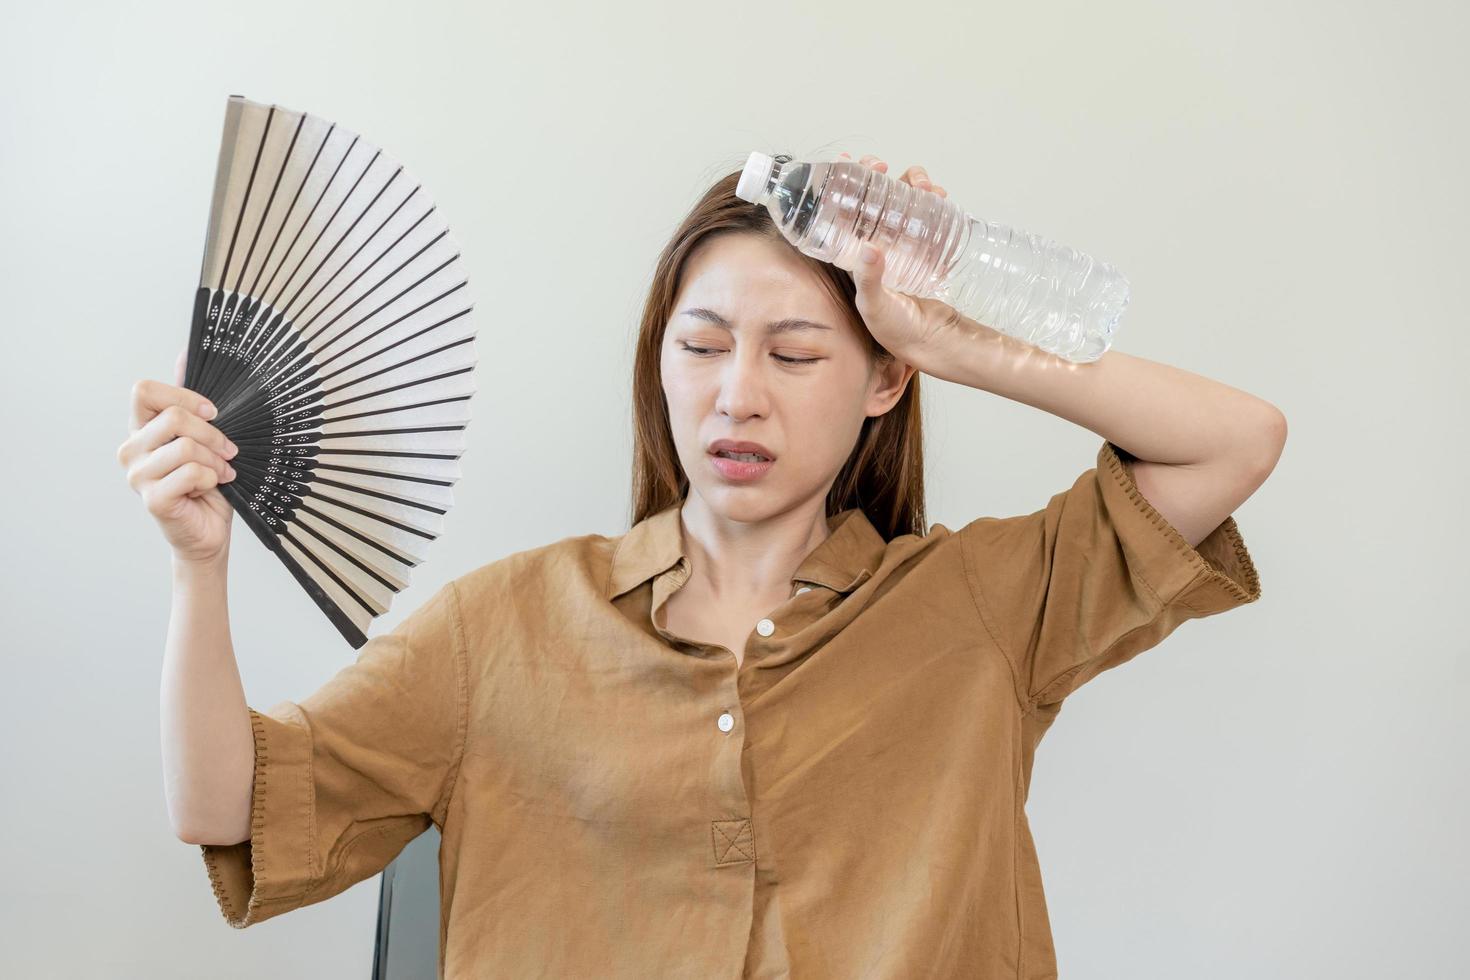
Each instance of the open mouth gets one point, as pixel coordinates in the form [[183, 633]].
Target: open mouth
[[743, 457], [741, 467]]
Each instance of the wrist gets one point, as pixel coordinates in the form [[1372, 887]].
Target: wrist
[[195, 571], [968, 352]]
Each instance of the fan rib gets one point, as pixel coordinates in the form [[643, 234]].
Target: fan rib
[[394, 408], [351, 592], [385, 452], [367, 513], [367, 268], [390, 301], [306, 220], [245, 198], [387, 326], [325, 225], [265, 263], [389, 432], [383, 350], [346, 263], [387, 476], [346, 554], [394, 367], [401, 559], [305, 283], [378, 493], [269, 203]]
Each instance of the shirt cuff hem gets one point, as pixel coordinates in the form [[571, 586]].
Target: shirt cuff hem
[[1216, 575], [273, 871]]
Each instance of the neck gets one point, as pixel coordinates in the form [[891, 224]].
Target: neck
[[739, 560]]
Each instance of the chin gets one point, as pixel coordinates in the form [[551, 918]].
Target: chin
[[747, 504]]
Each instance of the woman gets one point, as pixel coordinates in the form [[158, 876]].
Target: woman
[[777, 728]]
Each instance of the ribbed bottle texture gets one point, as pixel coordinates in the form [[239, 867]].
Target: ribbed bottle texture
[[1041, 292]]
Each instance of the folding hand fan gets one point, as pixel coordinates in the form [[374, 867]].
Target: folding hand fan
[[332, 331]]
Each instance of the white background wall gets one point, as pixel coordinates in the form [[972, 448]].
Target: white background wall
[[1280, 792]]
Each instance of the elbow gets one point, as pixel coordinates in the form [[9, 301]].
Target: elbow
[[199, 834], [1277, 430], [212, 840], [1268, 441], [186, 834]]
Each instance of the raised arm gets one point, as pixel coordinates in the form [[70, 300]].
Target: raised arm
[[175, 460], [208, 746]]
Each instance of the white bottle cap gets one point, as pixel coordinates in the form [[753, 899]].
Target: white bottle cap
[[753, 178]]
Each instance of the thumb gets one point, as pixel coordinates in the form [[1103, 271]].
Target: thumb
[[180, 363]]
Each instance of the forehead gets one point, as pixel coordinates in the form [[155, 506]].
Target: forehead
[[749, 280]]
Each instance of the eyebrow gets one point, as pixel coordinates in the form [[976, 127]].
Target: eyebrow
[[779, 326]]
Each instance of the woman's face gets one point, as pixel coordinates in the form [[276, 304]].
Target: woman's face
[[800, 392]]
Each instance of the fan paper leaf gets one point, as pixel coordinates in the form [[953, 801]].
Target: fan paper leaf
[[332, 330]]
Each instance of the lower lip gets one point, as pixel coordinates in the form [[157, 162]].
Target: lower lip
[[739, 470]]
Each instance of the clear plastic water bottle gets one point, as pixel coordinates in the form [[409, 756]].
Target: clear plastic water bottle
[[1043, 293]]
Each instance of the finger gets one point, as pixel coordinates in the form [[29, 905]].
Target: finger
[[164, 460], [173, 422], [867, 275], [151, 397], [918, 177], [180, 363], [189, 480], [940, 191], [868, 160]]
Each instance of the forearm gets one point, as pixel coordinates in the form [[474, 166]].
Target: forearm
[[1154, 411], [208, 743]]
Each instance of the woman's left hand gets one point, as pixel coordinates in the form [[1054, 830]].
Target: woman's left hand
[[905, 325]]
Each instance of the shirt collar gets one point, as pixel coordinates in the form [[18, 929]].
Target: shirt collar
[[843, 561]]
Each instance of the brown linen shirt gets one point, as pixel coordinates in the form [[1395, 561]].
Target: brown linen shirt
[[617, 801]]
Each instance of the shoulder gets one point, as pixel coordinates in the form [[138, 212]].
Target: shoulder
[[540, 579]]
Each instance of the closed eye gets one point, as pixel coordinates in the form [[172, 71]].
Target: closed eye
[[706, 351]]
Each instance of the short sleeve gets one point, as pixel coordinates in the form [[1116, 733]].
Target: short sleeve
[[1095, 578], [349, 776]]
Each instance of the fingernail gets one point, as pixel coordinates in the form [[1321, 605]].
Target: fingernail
[[206, 410], [870, 254], [231, 448], [229, 471]]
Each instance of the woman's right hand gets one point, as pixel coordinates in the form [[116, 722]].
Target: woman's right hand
[[175, 460]]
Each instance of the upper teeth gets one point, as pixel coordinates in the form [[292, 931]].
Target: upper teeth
[[743, 457]]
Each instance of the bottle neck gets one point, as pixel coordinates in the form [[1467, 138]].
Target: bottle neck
[[778, 163]]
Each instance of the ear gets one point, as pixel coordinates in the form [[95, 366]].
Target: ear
[[890, 380]]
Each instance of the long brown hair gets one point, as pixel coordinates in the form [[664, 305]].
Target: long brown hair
[[884, 474]]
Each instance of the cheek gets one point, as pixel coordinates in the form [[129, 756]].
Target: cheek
[[674, 381], [826, 421], [834, 398], [681, 392]]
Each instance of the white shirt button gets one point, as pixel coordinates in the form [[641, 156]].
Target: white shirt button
[[765, 627], [726, 722], [804, 588]]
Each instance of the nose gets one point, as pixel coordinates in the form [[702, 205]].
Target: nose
[[743, 390]]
